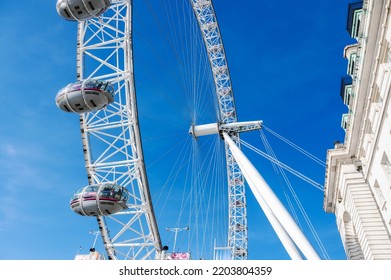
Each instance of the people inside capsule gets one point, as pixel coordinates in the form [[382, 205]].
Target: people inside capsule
[[102, 199], [80, 10], [85, 96]]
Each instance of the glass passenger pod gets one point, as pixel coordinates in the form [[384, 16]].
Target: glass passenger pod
[[101, 199], [80, 10], [85, 96]]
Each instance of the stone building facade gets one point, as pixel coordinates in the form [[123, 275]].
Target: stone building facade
[[358, 173]]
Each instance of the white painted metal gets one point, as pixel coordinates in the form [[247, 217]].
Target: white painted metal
[[175, 231], [204, 129], [204, 11], [270, 203], [237, 127], [215, 128], [110, 137], [225, 129]]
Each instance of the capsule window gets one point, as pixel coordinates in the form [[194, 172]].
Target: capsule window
[[89, 84], [91, 92], [66, 108], [91, 6], [75, 205], [102, 86], [91, 189], [66, 12]]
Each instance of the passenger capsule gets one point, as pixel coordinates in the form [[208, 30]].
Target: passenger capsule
[[101, 199], [81, 9], [85, 96]]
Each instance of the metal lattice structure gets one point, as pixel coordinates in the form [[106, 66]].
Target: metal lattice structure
[[237, 232], [112, 143], [111, 138]]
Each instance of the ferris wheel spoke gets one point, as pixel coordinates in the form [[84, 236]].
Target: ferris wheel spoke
[[204, 11]]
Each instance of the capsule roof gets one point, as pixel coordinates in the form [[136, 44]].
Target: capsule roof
[[80, 10]]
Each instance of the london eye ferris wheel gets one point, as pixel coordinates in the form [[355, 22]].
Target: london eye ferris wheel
[[104, 96]]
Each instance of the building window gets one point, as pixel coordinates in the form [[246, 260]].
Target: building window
[[352, 63], [348, 96], [380, 197], [354, 18], [385, 162], [356, 23], [346, 90], [345, 121]]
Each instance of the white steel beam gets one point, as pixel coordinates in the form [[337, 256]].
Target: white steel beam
[[216, 128], [269, 202]]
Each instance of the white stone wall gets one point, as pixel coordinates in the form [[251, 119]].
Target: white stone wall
[[358, 176], [379, 172], [360, 221]]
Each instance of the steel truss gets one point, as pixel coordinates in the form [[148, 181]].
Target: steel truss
[[111, 138]]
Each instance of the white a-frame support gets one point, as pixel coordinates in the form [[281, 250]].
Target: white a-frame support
[[285, 227]]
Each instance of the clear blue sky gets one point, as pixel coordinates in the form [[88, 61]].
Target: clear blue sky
[[285, 60]]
